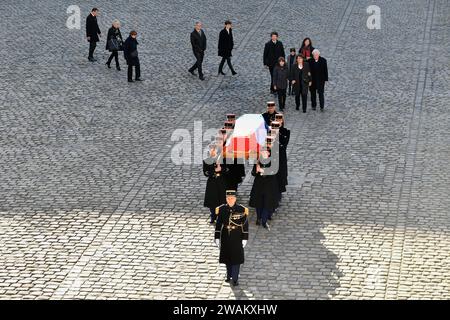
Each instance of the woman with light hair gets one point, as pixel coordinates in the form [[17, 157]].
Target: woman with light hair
[[114, 43]]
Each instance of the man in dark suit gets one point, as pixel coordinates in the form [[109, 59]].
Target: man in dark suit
[[319, 74], [92, 32], [198, 42], [226, 45], [272, 51]]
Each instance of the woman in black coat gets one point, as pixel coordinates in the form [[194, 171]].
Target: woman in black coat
[[301, 81], [280, 81], [131, 55], [264, 194], [306, 49], [216, 185], [114, 36], [226, 45]]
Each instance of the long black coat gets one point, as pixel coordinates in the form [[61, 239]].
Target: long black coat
[[265, 189], [92, 29], [319, 72], [198, 42], [226, 43], [268, 118], [272, 51], [215, 193], [282, 174], [130, 46], [231, 229], [280, 76], [235, 173], [114, 33], [302, 78]]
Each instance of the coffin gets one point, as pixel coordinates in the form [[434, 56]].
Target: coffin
[[247, 138]]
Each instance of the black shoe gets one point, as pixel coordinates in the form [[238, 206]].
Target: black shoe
[[269, 218], [313, 108], [192, 72], [221, 72], [227, 279], [130, 80], [91, 59], [108, 65], [138, 79], [304, 111], [258, 222], [321, 109], [235, 283], [118, 68], [233, 73], [297, 108], [201, 78], [266, 226]]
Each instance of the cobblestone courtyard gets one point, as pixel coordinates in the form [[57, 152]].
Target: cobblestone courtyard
[[91, 205]]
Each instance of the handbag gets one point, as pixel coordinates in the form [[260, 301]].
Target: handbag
[[113, 44]]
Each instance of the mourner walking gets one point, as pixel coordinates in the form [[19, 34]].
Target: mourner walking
[[92, 32], [231, 235], [319, 74], [114, 43], [290, 62], [280, 81], [306, 49], [132, 57], [272, 51], [225, 46], [198, 42], [216, 185], [301, 81]]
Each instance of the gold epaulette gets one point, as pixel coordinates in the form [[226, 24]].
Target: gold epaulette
[[218, 209], [246, 211]]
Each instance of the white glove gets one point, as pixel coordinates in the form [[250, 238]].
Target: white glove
[[217, 242], [244, 243]]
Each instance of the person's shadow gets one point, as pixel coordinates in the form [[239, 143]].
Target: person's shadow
[[289, 261]]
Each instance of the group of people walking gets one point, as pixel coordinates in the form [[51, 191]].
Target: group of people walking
[[296, 73], [114, 44], [224, 176]]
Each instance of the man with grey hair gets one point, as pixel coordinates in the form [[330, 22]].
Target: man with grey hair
[[198, 42], [319, 75]]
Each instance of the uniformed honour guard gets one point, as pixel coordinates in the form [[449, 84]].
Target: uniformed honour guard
[[231, 235], [216, 184]]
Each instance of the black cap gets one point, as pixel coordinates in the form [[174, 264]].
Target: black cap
[[231, 193], [231, 116]]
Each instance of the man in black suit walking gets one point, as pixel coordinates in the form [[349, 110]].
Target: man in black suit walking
[[319, 74], [198, 42], [272, 51], [92, 32]]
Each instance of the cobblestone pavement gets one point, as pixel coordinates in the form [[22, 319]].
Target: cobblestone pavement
[[91, 205]]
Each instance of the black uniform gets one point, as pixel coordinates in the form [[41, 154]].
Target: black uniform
[[268, 117], [282, 175], [231, 229], [215, 186]]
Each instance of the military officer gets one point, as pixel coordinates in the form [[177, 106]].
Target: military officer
[[269, 115], [231, 235], [216, 184]]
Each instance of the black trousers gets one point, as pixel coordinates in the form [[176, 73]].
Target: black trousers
[[92, 46], [304, 100], [198, 63], [228, 60], [271, 79], [115, 55], [314, 90], [281, 98], [233, 271], [137, 68]]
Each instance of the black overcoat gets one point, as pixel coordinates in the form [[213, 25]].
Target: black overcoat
[[265, 189], [272, 51], [92, 29], [129, 46], [280, 76], [319, 72], [226, 43], [282, 174], [216, 185], [302, 78], [231, 229], [114, 33], [198, 42]]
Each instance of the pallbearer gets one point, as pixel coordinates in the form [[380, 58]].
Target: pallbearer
[[216, 185], [231, 235], [264, 194], [269, 115]]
